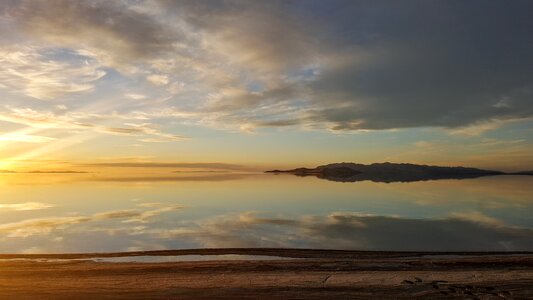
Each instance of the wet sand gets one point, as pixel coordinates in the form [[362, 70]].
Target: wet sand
[[312, 274]]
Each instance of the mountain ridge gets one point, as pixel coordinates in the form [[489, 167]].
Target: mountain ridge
[[391, 172]]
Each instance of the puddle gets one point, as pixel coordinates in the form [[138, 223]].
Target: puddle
[[157, 259]]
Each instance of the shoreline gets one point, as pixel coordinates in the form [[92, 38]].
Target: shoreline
[[312, 274], [279, 252]]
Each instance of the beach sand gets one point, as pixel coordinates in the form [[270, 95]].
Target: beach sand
[[305, 274]]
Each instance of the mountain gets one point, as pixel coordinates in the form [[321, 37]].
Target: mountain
[[387, 172]]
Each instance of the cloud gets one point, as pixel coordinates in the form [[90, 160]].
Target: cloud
[[145, 129], [32, 72], [25, 138], [135, 96], [369, 65], [81, 121], [158, 79], [336, 65], [428, 65], [48, 119], [25, 206], [479, 128], [242, 32], [111, 32]]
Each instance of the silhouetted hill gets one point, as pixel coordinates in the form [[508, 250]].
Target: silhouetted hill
[[388, 172]]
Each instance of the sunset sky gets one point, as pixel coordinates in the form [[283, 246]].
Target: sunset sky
[[245, 85]]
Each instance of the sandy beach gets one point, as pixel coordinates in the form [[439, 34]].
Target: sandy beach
[[289, 274]]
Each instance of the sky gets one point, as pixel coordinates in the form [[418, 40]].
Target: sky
[[249, 85]]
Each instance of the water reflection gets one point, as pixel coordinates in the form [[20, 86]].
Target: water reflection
[[175, 178], [80, 213], [463, 232]]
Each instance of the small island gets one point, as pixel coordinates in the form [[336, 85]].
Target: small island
[[391, 172]]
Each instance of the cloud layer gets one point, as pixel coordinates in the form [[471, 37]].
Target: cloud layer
[[337, 65]]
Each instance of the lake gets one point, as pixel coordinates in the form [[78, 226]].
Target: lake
[[65, 213]]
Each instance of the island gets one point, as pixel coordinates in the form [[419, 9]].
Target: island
[[391, 172]]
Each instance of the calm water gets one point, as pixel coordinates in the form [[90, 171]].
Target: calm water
[[57, 213]]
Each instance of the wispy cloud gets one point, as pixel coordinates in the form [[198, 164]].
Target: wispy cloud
[[25, 206], [111, 32], [82, 121], [26, 70], [25, 138]]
